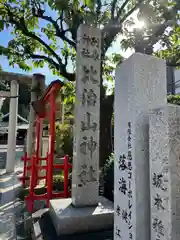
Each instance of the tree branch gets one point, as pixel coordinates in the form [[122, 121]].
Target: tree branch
[[99, 5], [48, 59], [60, 68], [23, 28], [114, 30], [155, 37], [131, 11], [122, 8], [61, 19], [59, 33], [20, 25], [32, 35], [113, 9]]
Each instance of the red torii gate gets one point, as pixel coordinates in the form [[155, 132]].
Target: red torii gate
[[49, 97]]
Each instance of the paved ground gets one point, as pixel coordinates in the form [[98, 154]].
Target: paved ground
[[3, 154], [11, 209]]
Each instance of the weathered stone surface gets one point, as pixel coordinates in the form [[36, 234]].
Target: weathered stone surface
[[85, 175], [164, 152], [69, 220], [9, 208], [140, 85], [3, 156], [9, 187]]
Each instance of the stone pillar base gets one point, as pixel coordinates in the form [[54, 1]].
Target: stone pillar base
[[69, 220]]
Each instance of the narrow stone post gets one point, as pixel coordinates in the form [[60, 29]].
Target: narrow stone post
[[13, 111], [37, 80], [140, 85], [85, 175]]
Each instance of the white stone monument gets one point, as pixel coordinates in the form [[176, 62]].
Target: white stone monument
[[140, 85], [164, 153], [86, 211]]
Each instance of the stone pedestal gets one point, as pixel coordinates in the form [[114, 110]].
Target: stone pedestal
[[69, 220], [164, 155], [139, 86], [85, 173]]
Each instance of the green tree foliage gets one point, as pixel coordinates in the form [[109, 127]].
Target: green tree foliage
[[67, 97], [41, 27], [174, 99], [44, 31], [170, 50], [64, 139]]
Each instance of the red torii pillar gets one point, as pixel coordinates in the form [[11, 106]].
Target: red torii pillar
[[39, 106]]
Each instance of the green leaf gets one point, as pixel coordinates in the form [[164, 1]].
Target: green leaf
[[38, 63], [89, 3]]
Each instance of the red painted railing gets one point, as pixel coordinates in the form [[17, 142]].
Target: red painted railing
[[33, 164], [24, 177], [33, 169]]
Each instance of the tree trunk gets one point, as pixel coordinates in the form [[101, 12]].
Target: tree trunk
[[106, 132]]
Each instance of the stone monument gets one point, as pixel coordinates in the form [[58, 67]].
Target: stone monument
[[86, 211], [164, 152], [140, 85], [85, 175]]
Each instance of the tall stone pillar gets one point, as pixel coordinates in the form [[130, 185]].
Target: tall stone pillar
[[140, 85], [12, 129], [86, 211], [85, 175]]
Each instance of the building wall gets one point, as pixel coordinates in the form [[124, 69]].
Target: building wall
[[177, 81]]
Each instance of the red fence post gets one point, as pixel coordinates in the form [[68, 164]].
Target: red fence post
[[46, 171], [66, 160]]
